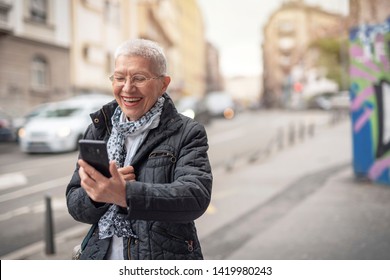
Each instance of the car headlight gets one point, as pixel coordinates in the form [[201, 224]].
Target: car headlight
[[21, 132], [63, 132], [189, 113]]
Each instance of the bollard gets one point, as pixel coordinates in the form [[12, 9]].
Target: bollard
[[302, 131], [229, 164], [291, 134], [311, 129], [49, 227], [280, 139]]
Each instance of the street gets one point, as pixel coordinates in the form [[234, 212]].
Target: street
[[26, 179]]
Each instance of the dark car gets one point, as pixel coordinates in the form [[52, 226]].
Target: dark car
[[7, 132], [220, 104], [194, 108]]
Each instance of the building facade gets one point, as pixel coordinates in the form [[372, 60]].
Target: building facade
[[99, 26], [287, 37], [368, 11], [214, 79], [34, 53], [54, 49], [192, 49]]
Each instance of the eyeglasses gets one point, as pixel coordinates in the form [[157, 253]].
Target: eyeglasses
[[137, 80]]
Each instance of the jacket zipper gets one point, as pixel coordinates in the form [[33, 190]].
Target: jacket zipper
[[190, 243], [163, 154], [106, 122]]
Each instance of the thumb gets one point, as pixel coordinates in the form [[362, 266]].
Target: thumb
[[114, 169]]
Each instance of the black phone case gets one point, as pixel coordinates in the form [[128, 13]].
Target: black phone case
[[94, 152]]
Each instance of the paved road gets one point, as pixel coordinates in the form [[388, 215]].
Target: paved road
[[302, 202]]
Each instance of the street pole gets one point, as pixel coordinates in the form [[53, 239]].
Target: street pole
[[49, 227]]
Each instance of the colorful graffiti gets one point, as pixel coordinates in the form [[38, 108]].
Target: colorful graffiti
[[370, 100]]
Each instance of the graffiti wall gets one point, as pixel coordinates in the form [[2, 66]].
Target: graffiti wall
[[370, 100]]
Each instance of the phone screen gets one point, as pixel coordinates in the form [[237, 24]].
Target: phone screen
[[94, 152]]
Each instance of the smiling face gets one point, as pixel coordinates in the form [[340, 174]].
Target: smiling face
[[136, 101]]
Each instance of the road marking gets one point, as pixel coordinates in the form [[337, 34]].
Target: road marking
[[35, 189], [58, 204], [38, 163], [13, 213], [11, 180]]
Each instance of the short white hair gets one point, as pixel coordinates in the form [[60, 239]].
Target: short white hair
[[147, 49]]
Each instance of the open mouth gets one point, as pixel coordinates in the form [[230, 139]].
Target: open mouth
[[131, 100]]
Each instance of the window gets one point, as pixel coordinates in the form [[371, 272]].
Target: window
[[4, 12], [112, 12], [286, 43], [39, 72], [286, 27], [38, 10]]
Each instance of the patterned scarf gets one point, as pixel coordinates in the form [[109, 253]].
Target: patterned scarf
[[121, 130], [113, 222]]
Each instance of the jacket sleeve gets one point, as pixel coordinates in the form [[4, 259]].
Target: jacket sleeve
[[187, 197], [80, 206]]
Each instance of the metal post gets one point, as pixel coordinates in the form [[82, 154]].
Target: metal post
[[302, 131], [280, 139], [291, 134], [49, 227], [311, 129]]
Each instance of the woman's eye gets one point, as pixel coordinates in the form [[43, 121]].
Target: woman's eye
[[139, 78]]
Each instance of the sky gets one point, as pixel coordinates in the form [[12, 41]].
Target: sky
[[235, 27]]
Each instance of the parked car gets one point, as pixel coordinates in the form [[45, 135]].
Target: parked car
[[7, 132], [220, 104], [59, 126], [330, 101], [194, 108], [321, 101], [20, 122]]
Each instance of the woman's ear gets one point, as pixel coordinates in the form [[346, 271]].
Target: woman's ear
[[165, 83]]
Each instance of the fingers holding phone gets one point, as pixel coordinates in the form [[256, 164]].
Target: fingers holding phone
[[100, 188], [127, 173], [100, 178]]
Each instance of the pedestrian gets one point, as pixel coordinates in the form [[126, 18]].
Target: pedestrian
[[161, 177]]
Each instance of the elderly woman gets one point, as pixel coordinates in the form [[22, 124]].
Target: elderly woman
[[160, 173]]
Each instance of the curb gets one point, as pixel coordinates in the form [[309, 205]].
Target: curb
[[38, 247]]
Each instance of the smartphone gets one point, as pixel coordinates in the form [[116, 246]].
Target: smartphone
[[94, 152]]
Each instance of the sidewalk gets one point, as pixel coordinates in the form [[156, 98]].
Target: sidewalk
[[307, 206], [312, 207]]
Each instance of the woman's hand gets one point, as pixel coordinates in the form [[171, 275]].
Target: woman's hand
[[127, 173], [102, 189]]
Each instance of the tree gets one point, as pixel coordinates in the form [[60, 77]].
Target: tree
[[333, 56]]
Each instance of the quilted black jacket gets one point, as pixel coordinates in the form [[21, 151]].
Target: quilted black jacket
[[172, 189]]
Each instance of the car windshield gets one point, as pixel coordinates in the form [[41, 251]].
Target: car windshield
[[186, 102], [59, 112], [35, 112]]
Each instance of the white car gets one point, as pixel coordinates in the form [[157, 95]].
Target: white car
[[59, 126]]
